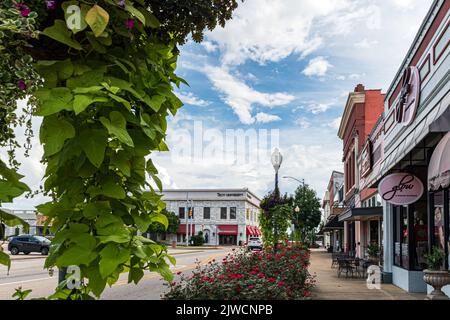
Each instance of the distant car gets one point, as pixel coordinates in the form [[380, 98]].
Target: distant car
[[29, 243], [319, 243], [254, 243]]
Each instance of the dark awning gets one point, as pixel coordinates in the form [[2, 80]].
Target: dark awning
[[361, 214], [333, 224]]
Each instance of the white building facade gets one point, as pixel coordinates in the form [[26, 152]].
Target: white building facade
[[28, 216], [225, 216]]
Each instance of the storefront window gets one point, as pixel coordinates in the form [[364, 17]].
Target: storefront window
[[448, 229], [420, 235], [439, 220], [397, 236], [404, 238]]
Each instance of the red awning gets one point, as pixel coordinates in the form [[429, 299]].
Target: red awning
[[182, 229], [257, 231], [249, 231], [227, 229]]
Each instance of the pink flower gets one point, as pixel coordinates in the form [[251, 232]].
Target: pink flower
[[261, 275], [271, 279], [51, 4], [250, 286], [22, 85], [129, 24], [24, 11], [280, 283]]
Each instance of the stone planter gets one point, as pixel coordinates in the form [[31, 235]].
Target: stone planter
[[374, 260], [436, 279]]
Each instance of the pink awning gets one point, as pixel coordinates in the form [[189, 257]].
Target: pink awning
[[182, 229], [439, 167], [227, 229]]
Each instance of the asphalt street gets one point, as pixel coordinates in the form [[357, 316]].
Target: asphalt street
[[28, 272]]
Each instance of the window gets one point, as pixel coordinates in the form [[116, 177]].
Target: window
[[223, 213], [233, 213], [247, 214], [440, 220], [181, 213], [206, 213], [410, 236]]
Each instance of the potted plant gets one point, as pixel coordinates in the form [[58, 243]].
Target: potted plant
[[373, 250], [435, 275]]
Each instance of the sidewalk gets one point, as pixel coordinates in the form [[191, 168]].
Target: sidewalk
[[330, 287]]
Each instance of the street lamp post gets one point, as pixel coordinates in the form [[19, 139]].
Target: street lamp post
[[298, 180], [297, 210], [276, 159], [302, 182]]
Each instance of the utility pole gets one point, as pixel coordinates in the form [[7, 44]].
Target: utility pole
[[186, 216], [191, 211]]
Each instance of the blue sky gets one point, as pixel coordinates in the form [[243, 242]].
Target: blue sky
[[284, 65], [287, 65]]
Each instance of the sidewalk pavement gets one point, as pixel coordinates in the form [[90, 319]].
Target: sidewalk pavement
[[330, 287]]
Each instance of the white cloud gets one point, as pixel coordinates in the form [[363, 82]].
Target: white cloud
[[335, 123], [303, 123], [366, 44], [240, 96], [209, 46], [317, 67], [262, 117], [317, 108], [267, 30], [191, 99]]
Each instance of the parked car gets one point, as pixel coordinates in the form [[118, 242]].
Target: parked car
[[254, 243], [29, 243]]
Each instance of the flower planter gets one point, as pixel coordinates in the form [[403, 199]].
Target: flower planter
[[436, 279]]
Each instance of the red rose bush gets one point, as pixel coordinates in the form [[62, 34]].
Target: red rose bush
[[243, 275]]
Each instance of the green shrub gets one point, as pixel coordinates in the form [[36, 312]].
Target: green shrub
[[260, 275], [435, 259]]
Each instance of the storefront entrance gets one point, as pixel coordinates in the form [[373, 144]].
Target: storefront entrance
[[227, 240]]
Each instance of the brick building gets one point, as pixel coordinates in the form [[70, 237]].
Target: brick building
[[362, 112]]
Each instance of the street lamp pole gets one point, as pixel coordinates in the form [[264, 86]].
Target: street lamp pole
[[297, 209], [277, 159], [298, 180]]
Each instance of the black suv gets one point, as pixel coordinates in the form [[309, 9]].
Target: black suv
[[29, 243]]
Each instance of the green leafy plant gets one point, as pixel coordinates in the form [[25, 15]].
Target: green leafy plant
[[198, 240], [435, 259], [275, 214], [373, 250], [20, 294], [101, 77], [249, 276], [173, 224]]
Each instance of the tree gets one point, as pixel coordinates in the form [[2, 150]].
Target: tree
[[101, 76], [275, 217], [172, 227], [308, 218]]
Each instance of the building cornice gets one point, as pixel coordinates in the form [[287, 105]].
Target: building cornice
[[353, 98]]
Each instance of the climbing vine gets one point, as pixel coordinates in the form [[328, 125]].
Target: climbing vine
[[100, 74]]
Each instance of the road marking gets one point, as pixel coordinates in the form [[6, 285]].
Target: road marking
[[31, 280]]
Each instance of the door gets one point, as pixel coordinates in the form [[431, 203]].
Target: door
[[23, 243], [34, 245], [206, 236]]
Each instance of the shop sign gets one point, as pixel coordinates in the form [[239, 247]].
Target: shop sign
[[366, 159], [406, 108], [401, 189]]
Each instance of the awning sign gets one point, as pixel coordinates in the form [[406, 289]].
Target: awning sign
[[401, 189]]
